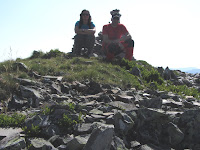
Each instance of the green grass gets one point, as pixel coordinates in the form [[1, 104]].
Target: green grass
[[57, 63], [14, 120], [34, 131]]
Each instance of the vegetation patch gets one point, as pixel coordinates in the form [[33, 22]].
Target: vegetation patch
[[57, 63], [14, 120], [34, 131]]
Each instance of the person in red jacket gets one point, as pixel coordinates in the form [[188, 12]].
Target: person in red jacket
[[116, 39]]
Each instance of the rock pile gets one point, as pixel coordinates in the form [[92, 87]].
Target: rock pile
[[92, 116]]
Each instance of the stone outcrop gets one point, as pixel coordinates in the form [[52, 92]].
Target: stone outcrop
[[92, 116]]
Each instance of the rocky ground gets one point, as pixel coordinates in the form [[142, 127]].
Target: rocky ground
[[92, 116]]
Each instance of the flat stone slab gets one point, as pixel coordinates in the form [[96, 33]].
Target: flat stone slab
[[53, 78], [4, 132], [123, 105]]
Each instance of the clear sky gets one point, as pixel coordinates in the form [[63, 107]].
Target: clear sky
[[166, 32]]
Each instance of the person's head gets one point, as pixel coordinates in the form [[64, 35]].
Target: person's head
[[115, 16], [85, 15]]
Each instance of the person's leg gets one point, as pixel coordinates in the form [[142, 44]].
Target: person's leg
[[129, 53], [129, 45], [110, 51], [90, 39], [78, 43]]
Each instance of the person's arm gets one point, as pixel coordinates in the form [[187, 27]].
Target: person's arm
[[106, 39], [90, 31], [79, 31], [85, 31], [125, 37], [118, 41]]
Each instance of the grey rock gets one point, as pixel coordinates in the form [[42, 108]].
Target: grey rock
[[37, 120], [56, 89], [172, 103], [26, 82], [59, 112], [21, 66], [13, 142], [135, 144], [77, 143], [136, 71], [118, 144], [187, 82], [160, 70], [189, 125], [167, 74], [122, 105], [16, 103], [145, 147], [96, 111], [101, 134], [147, 116], [56, 97], [53, 78], [34, 74], [188, 104], [123, 123], [125, 98], [56, 140], [62, 147], [175, 134], [33, 95], [190, 98], [79, 86], [65, 88], [8, 132], [97, 117], [84, 128], [67, 138], [94, 88], [40, 144], [51, 130], [151, 103], [104, 98]]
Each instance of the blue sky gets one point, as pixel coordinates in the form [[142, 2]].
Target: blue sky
[[166, 32]]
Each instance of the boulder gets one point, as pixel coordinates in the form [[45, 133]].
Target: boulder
[[21, 66], [151, 103], [33, 95], [77, 143], [175, 134], [125, 98], [136, 71], [13, 142], [123, 123], [94, 88], [40, 144], [117, 144], [16, 103], [101, 138]]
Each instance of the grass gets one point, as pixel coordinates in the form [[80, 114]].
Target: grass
[[80, 69], [34, 131], [14, 120]]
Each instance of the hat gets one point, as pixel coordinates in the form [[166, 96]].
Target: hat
[[115, 13]]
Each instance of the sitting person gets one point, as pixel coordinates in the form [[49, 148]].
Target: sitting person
[[116, 38], [85, 30]]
